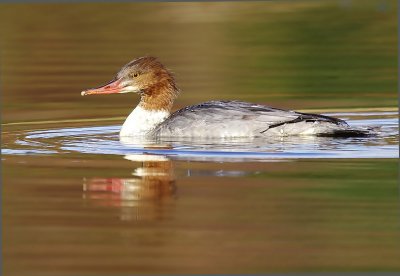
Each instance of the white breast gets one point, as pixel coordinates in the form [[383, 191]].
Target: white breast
[[141, 121]]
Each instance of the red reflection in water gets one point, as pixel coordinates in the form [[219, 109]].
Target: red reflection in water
[[151, 184]]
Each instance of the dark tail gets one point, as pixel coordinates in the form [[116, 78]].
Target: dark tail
[[348, 133]]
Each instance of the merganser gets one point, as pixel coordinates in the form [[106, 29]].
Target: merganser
[[156, 86]]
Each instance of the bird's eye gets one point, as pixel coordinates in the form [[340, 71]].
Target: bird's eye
[[135, 75]]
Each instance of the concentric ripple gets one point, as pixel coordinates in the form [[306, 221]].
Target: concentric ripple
[[105, 140]]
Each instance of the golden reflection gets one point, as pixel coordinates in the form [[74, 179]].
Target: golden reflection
[[140, 197]]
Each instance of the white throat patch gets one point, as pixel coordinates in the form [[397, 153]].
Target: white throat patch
[[141, 121]]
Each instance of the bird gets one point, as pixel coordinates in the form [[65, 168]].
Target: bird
[[157, 88]]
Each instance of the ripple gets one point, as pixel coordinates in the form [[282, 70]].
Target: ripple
[[105, 140]]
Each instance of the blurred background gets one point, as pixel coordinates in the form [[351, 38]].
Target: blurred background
[[338, 54], [73, 206]]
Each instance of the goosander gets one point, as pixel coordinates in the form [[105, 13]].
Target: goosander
[[152, 117]]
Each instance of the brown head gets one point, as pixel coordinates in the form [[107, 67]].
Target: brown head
[[147, 77]]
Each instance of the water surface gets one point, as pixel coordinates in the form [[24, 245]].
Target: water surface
[[80, 201]]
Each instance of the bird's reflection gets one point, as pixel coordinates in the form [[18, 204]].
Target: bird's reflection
[[140, 197]]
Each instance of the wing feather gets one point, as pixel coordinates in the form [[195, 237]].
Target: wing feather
[[218, 117]]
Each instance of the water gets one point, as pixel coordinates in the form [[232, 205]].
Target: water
[[78, 201]]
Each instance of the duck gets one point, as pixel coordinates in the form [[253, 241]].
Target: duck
[[153, 116]]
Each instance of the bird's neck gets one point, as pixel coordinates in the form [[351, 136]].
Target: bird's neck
[[160, 95], [155, 106]]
